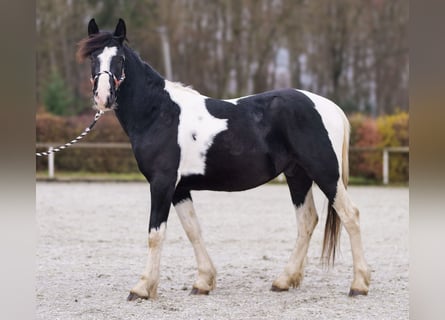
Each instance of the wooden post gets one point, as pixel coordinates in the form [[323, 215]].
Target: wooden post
[[385, 166], [51, 163]]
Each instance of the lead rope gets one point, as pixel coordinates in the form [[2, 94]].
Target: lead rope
[[83, 134]]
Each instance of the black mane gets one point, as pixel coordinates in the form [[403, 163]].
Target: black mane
[[94, 42]]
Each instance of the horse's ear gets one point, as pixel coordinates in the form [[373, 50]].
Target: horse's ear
[[92, 27], [121, 30]]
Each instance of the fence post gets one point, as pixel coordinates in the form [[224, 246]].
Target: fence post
[[385, 166], [51, 163]]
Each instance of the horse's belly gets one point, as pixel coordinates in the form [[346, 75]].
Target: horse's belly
[[231, 174]]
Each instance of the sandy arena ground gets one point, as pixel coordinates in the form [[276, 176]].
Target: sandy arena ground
[[92, 242]]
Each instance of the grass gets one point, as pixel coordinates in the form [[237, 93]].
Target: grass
[[362, 181]]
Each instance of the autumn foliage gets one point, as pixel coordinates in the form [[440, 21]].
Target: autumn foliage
[[366, 132], [369, 136], [58, 130]]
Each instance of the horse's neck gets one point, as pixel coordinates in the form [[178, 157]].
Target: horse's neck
[[139, 96]]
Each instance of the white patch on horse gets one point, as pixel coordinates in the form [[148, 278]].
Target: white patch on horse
[[333, 121], [197, 128], [235, 100], [103, 82]]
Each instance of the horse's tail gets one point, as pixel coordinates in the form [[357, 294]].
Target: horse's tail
[[333, 222]]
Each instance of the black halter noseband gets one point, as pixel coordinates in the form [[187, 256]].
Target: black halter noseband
[[117, 81]]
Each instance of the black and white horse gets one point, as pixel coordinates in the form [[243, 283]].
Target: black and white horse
[[185, 141]]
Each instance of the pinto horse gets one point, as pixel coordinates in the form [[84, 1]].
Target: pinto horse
[[185, 141]]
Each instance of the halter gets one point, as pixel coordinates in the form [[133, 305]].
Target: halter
[[117, 81]]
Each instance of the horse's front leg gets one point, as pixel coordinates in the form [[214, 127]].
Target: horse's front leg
[[205, 281], [161, 189]]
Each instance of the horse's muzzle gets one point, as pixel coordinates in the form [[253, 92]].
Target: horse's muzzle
[[104, 92], [104, 105]]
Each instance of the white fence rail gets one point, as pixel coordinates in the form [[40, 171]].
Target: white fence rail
[[94, 145], [122, 145]]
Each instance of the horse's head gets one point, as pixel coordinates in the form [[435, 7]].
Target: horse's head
[[106, 52]]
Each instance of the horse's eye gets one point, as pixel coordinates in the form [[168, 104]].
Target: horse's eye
[[120, 62], [94, 66]]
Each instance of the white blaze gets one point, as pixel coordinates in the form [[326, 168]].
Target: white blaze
[[103, 82]]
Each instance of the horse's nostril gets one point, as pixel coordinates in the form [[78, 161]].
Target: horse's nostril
[[109, 102]]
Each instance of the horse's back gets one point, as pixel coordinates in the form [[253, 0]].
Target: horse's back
[[296, 113]]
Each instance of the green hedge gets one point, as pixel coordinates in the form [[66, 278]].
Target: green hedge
[[384, 131], [51, 128]]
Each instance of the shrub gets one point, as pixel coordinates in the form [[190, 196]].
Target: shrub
[[394, 130], [364, 133], [385, 131], [51, 128]]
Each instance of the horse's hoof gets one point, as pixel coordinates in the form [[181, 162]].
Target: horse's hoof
[[196, 291], [133, 296], [356, 292], [278, 289]]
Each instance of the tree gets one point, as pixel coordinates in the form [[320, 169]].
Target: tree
[[354, 52], [57, 97]]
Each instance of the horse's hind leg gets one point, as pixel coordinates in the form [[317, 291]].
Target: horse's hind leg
[[349, 216], [300, 188], [206, 279]]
